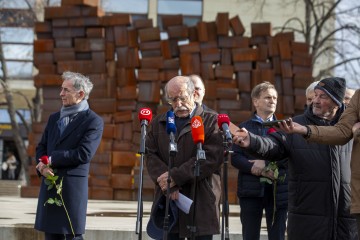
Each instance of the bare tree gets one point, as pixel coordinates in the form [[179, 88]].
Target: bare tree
[[323, 29], [35, 12]]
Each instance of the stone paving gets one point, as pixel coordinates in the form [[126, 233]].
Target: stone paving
[[106, 220]]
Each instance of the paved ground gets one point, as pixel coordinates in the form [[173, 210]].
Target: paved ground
[[106, 220]]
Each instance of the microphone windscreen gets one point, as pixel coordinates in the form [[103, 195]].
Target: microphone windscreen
[[170, 122], [145, 114], [197, 130], [223, 118]]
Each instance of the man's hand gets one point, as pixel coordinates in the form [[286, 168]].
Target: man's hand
[[44, 169], [289, 126], [162, 181], [356, 130], [241, 138], [258, 167], [174, 195]]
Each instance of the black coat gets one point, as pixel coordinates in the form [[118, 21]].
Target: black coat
[[249, 185], [319, 183], [70, 155]]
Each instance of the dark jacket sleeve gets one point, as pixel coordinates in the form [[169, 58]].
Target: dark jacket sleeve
[[272, 147]]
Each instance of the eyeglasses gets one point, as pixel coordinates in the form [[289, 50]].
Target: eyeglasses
[[176, 99], [66, 90]]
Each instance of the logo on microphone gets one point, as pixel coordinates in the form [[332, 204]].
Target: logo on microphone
[[145, 111], [171, 120], [196, 123]]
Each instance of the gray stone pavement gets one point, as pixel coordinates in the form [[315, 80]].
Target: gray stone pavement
[[106, 220]]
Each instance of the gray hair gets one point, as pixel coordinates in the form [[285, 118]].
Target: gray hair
[[80, 82], [311, 87], [190, 89]]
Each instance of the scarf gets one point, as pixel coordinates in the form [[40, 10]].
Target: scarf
[[67, 114]]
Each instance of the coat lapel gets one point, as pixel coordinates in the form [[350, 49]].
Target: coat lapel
[[72, 125]]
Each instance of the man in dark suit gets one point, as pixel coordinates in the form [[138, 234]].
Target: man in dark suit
[[70, 140]]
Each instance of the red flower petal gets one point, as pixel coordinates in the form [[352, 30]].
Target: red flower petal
[[45, 160], [271, 130]]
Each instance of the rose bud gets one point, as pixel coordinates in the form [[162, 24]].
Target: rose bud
[[45, 160], [271, 130]]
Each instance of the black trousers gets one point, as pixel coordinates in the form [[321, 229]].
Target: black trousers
[[53, 236], [251, 213]]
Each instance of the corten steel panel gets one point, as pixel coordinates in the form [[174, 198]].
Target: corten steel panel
[[64, 54], [124, 116], [210, 55], [121, 35], [148, 75], [126, 93], [149, 92], [260, 29], [171, 20], [285, 50], [244, 81], [193, 47], [234, 42], [117, 20], [225, 58], [287, 85], [43, 27], [207, 70], [178, 32], [236, 26], [149, 34], [92, 3], [125, 77], [224, 71], [142, 23], [222, 23], [43, 45], [95, 32]]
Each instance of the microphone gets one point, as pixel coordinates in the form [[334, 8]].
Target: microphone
[[197, 130], [223, 123], [145, 116], [171, 130], [198, 135]]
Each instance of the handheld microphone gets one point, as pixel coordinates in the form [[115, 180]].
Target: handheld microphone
[[197, 130], [223, 123], [145, 116], [198, 135], [171, 130]]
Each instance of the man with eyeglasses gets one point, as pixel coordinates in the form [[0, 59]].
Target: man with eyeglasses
[[180, 93], [69, 141]]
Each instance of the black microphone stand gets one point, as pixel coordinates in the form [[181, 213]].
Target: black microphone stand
[[200, 157], [172, 154], [225, 202], [139, 215]]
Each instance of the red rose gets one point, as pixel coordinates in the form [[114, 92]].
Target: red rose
[[45, 160], [271, 130]]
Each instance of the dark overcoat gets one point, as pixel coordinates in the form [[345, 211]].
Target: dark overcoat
[[319, 182], [208, 185], [70, 157]]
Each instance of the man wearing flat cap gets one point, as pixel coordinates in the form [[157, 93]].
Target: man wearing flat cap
[[319, 174]]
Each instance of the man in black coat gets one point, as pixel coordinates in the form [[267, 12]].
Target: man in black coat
[[319, 175], [70, 140], [254, 195]]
